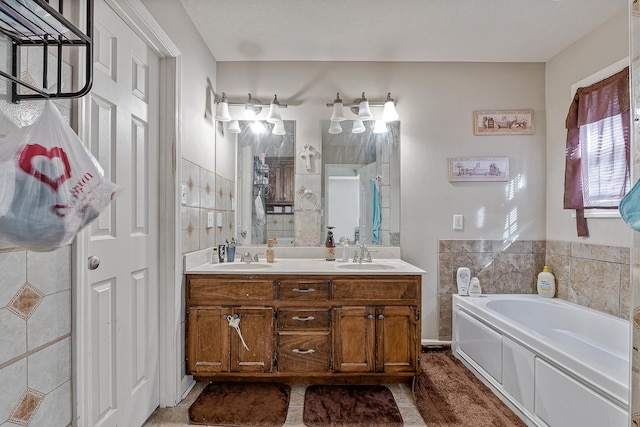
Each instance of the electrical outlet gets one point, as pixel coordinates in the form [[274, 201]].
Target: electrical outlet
[[209, 219], [183, 196], [458, 221]]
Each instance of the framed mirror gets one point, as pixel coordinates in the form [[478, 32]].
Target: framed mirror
[[265, 182], [361, 183]]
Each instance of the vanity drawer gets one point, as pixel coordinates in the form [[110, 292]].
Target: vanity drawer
[[303, 319], [308, 352], [390, 289], [217, 291], [303, 290]]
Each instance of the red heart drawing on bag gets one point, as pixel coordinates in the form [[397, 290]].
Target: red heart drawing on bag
[[32, 151]]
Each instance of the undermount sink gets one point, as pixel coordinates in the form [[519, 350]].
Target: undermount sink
[[242, 266], [367, 266]]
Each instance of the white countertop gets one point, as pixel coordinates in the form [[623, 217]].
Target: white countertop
[[384, 266]]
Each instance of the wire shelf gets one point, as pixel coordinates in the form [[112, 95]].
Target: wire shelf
[[35, 28]]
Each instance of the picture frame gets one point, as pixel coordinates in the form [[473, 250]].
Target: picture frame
[[503, 122], [478, 169]]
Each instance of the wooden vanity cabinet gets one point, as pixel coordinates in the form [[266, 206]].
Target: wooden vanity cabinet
[[310, 327]]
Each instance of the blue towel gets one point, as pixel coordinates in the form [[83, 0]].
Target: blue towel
[[630, 207], [376, 217]]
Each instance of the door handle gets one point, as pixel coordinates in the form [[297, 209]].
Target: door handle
[[93, 262]]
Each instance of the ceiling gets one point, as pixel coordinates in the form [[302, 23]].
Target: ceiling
[[395, 30]]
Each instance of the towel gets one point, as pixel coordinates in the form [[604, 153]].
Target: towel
[[376, 217], [630, 207], [260, 220]]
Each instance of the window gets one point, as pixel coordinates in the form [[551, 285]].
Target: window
[[597, 173]]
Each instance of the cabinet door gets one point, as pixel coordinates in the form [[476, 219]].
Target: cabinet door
[[256, 326], [288, 177], [208, 340], [353, 339], [397, 343]]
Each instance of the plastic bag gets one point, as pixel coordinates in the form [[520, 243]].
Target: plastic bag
[[51, 186]]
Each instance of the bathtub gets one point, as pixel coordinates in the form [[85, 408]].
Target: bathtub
[[553, 362]]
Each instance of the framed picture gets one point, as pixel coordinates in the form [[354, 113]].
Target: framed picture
[[478, 169], [517, 122]]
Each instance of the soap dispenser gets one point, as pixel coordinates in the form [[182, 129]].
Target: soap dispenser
[[330, 246], [462, 278]]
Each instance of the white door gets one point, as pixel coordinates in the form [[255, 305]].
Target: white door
[[121, 303]]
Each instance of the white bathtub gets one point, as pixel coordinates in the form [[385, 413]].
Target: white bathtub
[[555, 363]]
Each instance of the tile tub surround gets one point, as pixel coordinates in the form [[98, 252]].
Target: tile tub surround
[[594, 276]]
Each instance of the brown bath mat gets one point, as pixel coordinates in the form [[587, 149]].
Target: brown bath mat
[[350, 405], [448, 394], [241, 404]]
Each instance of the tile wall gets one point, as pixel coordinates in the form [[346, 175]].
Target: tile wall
[[204, 192], [594, 276], [35, 343]]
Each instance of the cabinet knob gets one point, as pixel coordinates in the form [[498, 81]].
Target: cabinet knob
[[369, 316], [381, 316]]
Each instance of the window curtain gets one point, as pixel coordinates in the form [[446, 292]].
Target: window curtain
[[591, 104]]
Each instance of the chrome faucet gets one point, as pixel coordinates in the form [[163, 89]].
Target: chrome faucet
[[246, 257], [363, 256]]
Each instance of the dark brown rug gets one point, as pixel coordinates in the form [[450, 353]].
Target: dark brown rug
[[241, 404], [350, 405], [448, 394]]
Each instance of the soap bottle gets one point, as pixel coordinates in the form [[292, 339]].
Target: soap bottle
[[330, 245], [345, 249], [474, 287], [546, 283], [463, 276], [270, 250]]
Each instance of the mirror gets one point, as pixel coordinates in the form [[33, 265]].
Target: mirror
[[361, 183], [265, 182]]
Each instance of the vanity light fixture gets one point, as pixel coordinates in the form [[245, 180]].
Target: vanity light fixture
[[335, 127], [222, 109], [278, 128], [380, 127], [338, 110], [389, 113], [364, 113], [233, 127], [274, 111], [358, 126], [361, 108]]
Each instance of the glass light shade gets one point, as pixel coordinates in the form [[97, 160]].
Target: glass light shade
[[233, 127], [364, 113], [278, 128], [222, 111], [274, 113], [389, 113], [257, 127], [380, 127], [358, 126], [335, 127]]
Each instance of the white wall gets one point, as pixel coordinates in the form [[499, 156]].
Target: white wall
[[198, 68], [599, 49], [435, 102]]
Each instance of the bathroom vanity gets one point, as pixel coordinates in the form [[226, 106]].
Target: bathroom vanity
[[306, 320]]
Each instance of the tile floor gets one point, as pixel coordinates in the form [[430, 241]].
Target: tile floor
[[179, 416]]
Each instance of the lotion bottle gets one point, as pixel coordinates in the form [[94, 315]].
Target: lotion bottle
[[546, 283], [270, 250], [462, 278], [474, 287]]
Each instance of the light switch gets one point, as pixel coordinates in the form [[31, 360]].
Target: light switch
[[209, 219], [458, 221]]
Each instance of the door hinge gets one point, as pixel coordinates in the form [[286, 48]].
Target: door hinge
[[417, 311], [275, 314], [275, 362], [330, 363], [330, 315]]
